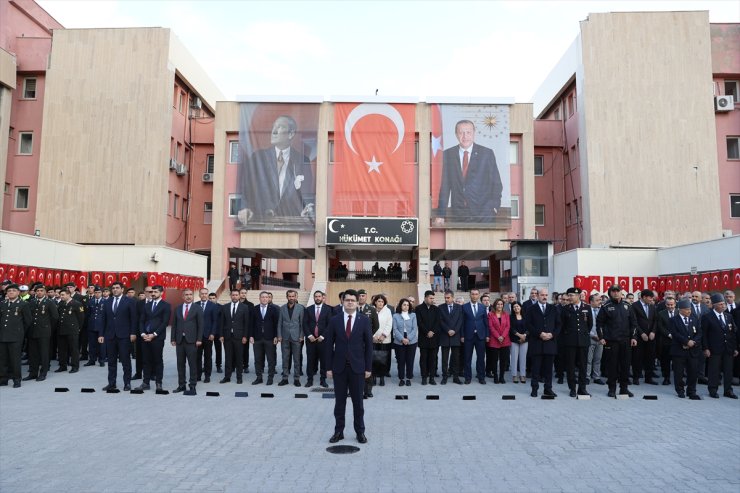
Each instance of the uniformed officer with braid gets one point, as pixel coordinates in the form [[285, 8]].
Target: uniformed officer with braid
[[15, 320], [71, 320], [45, 317]]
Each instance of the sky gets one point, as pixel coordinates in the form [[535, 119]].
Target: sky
[[413, 49]]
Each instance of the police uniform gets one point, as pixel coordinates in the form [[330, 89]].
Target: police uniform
[[45, 317], [71, 319], [93, 319], [576, 322], [15, 320], [616, 324]]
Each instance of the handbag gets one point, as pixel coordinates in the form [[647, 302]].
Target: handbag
[[381, 359]]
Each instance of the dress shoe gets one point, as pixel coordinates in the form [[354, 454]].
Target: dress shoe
[[257, 381], [41, 378], [408, 383], [309, 383], [482, 381], [283, 382], [89, 363], [501, 380], [573, 392], [515, 379], [682, 395], [225, 380], [457, 380], [137, 376], [432, 381], [60, 369], [730, 394], [102, 363], [370, 394], [467, 381], [522, 380], [29, 377], [444, 381], [16, 384], [158, 387], [246, 369], [127, 387], [495, 379], [207, 380], [109, 387], [192, 389], [549, 393], [560, 380], [666, 381], [200, 378], [364, 396], [703, 380], [143, 386], [423, 380], [599, 381], [180, 388], [239, 380], [612, 393], [694, 397], [219, 369], [534, 392], [401, 383], [361, 438], [336, 437], [583, 392], [626, 392], [269, 381], [297, 383], [714, 395], [323, 383], [74, 370]]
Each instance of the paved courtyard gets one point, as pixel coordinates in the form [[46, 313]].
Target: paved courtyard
[[98, 442]]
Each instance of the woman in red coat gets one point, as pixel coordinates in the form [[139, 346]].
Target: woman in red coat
[[499, 342]]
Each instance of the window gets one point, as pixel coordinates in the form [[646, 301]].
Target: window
[[735, 206], [169, 201], [181, 103], [533, 260], [331, 151], [539, 165], [174, 205], [184, 212], [210, 165], [733, 147], [568, 213], [571, 104], [556, 114], [25, 143], [207, 212], [575, 211], [731, 89], [513, 152], [7, 187], [233, 151], [515, 207], [178, 152], [29, 88], [235, 202], [21, 197], [539, 215]]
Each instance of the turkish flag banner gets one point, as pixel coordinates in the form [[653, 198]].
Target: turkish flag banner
[[624, 283], [580, 282], [125, 278], [669, 282], [110, 278], [704, 281], [21, 276], [374, 172], [65, 277], [685, 283], [12, 270], [725, 279], [152, 278], [40, 276], [714, 282], [594, 283], [638, 284], [662, 284], [606, 283], [82, 281], [735, 278], [32, 274], [97, 278]]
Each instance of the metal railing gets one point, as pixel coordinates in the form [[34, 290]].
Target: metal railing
[[371, 276], [280, 283]]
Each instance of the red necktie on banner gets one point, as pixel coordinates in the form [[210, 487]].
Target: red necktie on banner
[[466, 161], [349, 326]]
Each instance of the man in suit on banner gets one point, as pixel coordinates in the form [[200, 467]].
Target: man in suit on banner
[[471, 185], [349, 348]]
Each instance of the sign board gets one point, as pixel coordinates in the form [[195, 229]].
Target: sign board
[[373, 231]]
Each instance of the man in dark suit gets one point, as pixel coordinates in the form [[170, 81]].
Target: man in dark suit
[[15, 320], [685, 349], [217, 344], [450, 331], [699, 310], [187, 336], [720, 345], [235, 322], [45, 316], [263, 336], [211, 319], [277, 183], [474, 336], [643, 355], [576, 321], [142, 305], [427, 319], [315, 323], [664, 320], [153, 321], [543, 325], [71, 320], [350, 359], [119, 332], [471, 184], [244, 301], [93, 321], [532, 300]]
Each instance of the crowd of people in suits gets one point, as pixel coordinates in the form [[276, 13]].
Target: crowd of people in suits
[[692, 337]]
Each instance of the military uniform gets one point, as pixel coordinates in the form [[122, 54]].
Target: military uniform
[[616, 324], [576, 322], [370, 312], [71, 319], [45, 318], [15, 320], [94, 330]]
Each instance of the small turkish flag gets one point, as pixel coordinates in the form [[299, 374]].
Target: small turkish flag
[[638, 284], [607, 282]]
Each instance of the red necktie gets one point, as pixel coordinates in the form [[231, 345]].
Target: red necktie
[[187, 310], [316, 329], [466, 160], [349, 326]]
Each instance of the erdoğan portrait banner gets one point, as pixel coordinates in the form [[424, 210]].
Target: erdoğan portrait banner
[[276, 157], [373, 166], [471, 180]]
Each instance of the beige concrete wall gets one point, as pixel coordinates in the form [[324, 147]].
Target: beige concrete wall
[[521, 122], [105, 151], [651, 159], [7, 84]]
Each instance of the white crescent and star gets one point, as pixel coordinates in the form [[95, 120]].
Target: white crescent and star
[[331, 224], [364, 109]]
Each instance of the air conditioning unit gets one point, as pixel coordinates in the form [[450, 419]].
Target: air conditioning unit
[[196, 103], [173, 163], [208, 177], [724, 103], [181, 170]]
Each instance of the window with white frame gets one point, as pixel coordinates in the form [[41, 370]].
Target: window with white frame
[[25, 143], [210, 164], [735, 206], [515, 207], [539, 165], [207, 212], [235, 202], [233, 151], [21, 197], [513, 152], [539, 214], [731, 89], [29, 88], [733, 147]]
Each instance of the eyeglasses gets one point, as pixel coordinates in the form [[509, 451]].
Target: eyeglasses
[[350, 301]]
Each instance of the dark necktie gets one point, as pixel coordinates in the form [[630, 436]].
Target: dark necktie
[[349, 326], [722, 320], [466, 161], [115, 305]]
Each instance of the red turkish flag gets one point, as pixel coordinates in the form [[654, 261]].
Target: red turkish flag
[[606, 282], [40, 276], [694, 282], [735, 278], [704, 282], [12, 270], [136, 275], [725, 279], [685, 283], [638, 284], [32, 273], [437, 153], [97, 278], [579, 282], [21, 275], [661, 283], [594, 283], [714, 282], [152, 278], [109, 278], [3, 271], [73, 278], [125, 278], [624, 282], [82, 280], [65, 276], [374, 170], [669, 283]]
